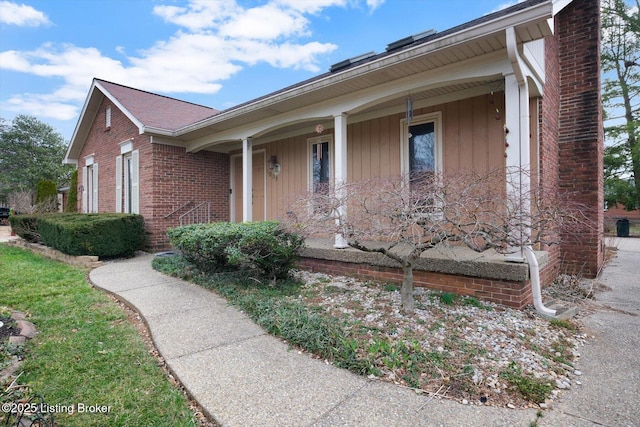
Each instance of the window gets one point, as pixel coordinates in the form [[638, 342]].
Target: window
[[422, 152], [319, 164], [127, 172], [422, 160], [422, 145], [90, 186]]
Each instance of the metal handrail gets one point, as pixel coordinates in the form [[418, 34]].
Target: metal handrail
[[196, 215], [181, 207]]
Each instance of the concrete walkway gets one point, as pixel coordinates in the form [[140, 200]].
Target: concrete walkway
[[242, 376]]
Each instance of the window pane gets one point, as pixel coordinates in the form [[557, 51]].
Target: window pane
[[320, 159], [422, 148]]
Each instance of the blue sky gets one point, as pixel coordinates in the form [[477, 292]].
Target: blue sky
[[217, 53]]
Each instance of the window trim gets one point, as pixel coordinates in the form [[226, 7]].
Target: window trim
[[436, 119], [310, 143], [107, 118]]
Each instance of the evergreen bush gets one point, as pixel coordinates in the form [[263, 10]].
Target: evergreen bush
[[103, 234], [262, 246]]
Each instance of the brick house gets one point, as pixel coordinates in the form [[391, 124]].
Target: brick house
[[533, 67]]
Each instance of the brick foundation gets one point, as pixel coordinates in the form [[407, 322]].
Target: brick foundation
[[511, 294]]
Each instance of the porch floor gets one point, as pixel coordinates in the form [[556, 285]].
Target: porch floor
[[452, 260]]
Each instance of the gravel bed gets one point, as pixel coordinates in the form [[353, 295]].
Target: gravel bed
[[471, 345]]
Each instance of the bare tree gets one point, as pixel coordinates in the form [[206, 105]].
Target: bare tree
[[401, 217]]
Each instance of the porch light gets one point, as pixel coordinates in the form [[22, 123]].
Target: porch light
[[274, 166]]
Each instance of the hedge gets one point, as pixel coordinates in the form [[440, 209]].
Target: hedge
[[262, 246], [104, 234]]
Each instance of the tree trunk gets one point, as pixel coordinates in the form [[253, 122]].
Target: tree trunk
[[407, 288]]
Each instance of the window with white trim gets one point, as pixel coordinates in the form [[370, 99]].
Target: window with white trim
[[320, 167], [127, 179], [90, 186], [422, 159]]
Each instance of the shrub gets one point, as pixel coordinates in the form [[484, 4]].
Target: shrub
[[72, 199], [104, 234], [223, 246], [46, 196], [26, 226]]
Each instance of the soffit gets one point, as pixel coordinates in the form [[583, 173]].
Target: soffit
[[380, 70]]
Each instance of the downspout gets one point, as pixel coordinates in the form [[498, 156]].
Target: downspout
[[526, 249]]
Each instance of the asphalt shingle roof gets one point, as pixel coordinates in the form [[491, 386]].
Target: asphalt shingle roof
[[157, 111]]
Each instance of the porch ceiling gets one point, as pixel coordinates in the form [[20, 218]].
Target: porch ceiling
[[484, 39]]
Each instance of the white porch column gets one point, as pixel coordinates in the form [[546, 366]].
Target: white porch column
[[247, 180], [518, 155], [340, 170]]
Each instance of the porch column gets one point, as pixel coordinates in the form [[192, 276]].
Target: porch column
[[340, 171], [518, 161], [247, 180]]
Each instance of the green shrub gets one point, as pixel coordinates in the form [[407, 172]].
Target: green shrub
[[104, 234], [263, 246], [26, 226], [46, 196], [205, 244], [72, 199]]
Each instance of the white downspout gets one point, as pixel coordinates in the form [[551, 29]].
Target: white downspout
[[527, 251], [534, 276]]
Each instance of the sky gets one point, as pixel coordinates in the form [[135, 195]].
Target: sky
[[217, 53]]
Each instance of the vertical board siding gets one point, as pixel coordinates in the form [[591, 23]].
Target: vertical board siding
[[472, 139]]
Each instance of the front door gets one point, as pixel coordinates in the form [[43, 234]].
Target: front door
[[258, 196]]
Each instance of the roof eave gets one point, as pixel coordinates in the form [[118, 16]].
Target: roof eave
[[538, 12]]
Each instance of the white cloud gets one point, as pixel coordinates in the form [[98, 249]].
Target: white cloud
[[46, 106], [21, 15], [216, 39]]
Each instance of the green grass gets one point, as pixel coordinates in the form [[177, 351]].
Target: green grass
[[86, 351], [532, 389]]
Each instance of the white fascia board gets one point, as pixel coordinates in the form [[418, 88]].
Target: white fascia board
[[156, 131], [121, 107], [81, 118], [537, 12]]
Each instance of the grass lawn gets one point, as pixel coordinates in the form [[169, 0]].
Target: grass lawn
[[86, 351]]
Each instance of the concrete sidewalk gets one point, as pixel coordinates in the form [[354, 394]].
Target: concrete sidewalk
[[242, 376]]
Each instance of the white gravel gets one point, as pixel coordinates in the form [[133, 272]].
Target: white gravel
[[481, 339]]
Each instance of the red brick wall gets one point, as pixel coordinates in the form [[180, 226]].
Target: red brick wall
[[512, 294], [580, 137], [548, 131], [169, 177], [104, 143], [178, 178]]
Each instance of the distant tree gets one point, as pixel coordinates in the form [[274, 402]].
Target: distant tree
[[620, 94], [46, 196], [72, 200], [402, 217], [30, 151]]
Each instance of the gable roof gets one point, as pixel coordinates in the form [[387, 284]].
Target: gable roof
[[155, 111], [150, 112]]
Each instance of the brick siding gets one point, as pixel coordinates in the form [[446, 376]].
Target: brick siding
[[512, 294], [580, 133], [168, 176]]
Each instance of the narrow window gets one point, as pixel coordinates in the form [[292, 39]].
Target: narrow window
[[422, 149], [128, 183], [422, 161], [320, 166]]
